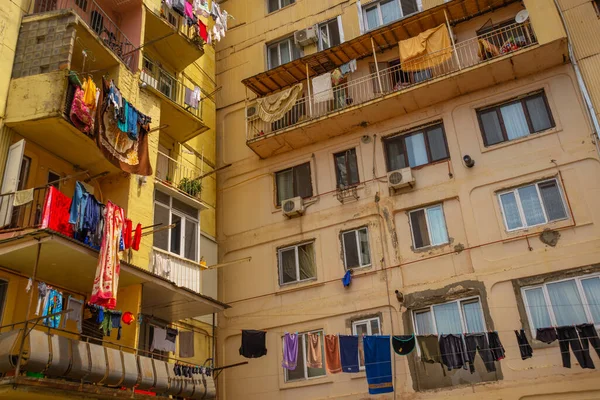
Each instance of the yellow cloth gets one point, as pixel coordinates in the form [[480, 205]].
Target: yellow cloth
[[486, 50], [89, 93], [433, 43], [23, 197], [274, 107]]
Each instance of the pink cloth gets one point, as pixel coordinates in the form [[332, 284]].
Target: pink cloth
[[80, 113], [56, 212], [189, 10]]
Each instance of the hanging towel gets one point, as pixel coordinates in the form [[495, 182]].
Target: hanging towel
[[137, 237], [315, 355], [404, 345], [203, 31], [430, 350], [127, 238], [23, 197], [188, 96], [253, 344], [80, 114], [349, 353], [290, 351], [332, 354], [171, 338], [426, 50], [378, 364], [347, 279], [186, 344], [322, 90], [196, 97], [76, 314], [159, 339], [53, 305], [89, 93], [274, 107], [189, 10]]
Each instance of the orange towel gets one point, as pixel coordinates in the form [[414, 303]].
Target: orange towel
[[426, 50], [315, 355], [332, 354]]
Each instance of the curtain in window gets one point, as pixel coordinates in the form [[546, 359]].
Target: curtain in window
[[417, 152], [288, 265], [350, 250], [284, 52], [473, 317], [511, 211], [514, 121], [390, 11], [306, 258], [491, 127], [285, 185], [566, 303], [437, 225], [447, 318], [553, 204], [536, 303], [419, 228], [363, 239], [424, 323], [395, 155], [372, 18], [530, 202], [538, 113], [591, 288]]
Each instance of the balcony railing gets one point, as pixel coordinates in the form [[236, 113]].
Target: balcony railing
[[156, 77], [97, 19], [182, 272], [465, 54], [183, 176], [23, 216]]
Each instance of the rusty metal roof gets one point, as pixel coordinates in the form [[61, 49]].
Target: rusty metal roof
[[384, 38]]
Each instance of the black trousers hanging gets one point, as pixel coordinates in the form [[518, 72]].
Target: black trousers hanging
[[478, 342], [524, 346], [567, 336], [587, 332]]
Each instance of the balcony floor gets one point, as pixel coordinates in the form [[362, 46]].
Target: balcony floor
[[486, 74]]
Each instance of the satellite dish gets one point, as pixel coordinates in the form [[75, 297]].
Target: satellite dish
[[522, 16]]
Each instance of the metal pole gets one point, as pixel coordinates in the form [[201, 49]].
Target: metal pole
[[214, 343], [309, 95], [376, 66], [452, 39]]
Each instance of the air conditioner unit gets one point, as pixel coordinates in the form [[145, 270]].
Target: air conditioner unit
[[252, 112], [306, 36], [292, 207], [400, 178]]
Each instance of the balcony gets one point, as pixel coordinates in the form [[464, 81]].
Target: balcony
[[476, 61], [182, 272], [180, 115], [179, 176]]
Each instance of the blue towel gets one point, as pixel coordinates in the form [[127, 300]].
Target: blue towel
[[349, 353], [378, 363], [347, 279]]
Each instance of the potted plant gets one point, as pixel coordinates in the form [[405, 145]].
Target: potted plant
[[193, 187]]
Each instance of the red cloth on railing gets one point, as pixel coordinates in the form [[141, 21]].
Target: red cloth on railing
[[137, 238], [127, 232], [203, 31], [56, 212]]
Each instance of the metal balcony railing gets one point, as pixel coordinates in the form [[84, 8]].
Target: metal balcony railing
[[28, 215], [97, 19], [156, 77], [182, 272], [465, 54], [181, 175]]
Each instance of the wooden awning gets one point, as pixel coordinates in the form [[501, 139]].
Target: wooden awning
[[360, 47]]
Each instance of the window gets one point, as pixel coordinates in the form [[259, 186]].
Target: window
[[303, 371], [365, 327], [532, 205], [166, 84], [293, 182], [297, 263], [182, 240], [515, 119], [567, 302], [53, 179], [385, 11], [82, 4], [346, 168], [457, 317], [275, 5], [428, 227], [282, 52], [596, 4], [329, 34], [355, 244], [420, 147]]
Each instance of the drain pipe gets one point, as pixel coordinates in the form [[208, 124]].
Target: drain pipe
[[582, 86]]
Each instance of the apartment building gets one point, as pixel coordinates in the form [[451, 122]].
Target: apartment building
[[162, 180], [458, 185]]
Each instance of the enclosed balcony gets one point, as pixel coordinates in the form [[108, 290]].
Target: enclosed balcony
[[477, 55]]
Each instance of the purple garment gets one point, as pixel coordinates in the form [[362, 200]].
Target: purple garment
[[290, 351]]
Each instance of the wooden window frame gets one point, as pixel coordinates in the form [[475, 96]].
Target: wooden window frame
[[337, 173]]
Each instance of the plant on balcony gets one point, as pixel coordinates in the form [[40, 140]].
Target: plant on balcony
[[193, 187]]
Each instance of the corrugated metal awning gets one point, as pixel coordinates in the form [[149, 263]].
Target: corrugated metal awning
[[360, 47]]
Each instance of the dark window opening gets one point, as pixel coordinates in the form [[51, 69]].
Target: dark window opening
[[420, 147], [293, 182], [346, 169]]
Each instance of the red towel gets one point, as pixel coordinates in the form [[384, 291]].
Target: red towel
[[203, 31], [137, 238], [55, 215], [127, 233]]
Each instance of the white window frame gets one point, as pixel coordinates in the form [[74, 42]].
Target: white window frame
[[278, 43], [367, 322], [184, 217], [301, 344], [544, 287], [377, 4], [515, 191], [357, 238], [279, 6], [280, 263], [459, 302], [325, 24], [412, 232]]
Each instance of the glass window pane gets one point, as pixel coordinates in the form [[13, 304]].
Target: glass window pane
[[365, 254], [514, 121], [162, 198], [360, 330], [566, 303], [491, 127], [273, 56], [306, 258], [302, 180], [176, 234], [324, 37], [273, 5], [191, 240], [390, 11], [538, 113], [511, 211], [341, 173], [350, 250], [298, 373], [553, 203], [284, 52], [530, 203], [161, 238], [316, 371], [437, 225], [372, 18], [395, 154], [375, 327], [288, 265], [419, 229], [285, 185], [353, 167], [473, 316], [447, 318], [409, 7], [424, 323], [536, 304], [417, 152], [591, 288], [334, 33], [437, 144], [286, 2], [184, 208]]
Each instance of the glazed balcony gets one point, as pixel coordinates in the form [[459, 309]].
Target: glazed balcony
[[369, 95]]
